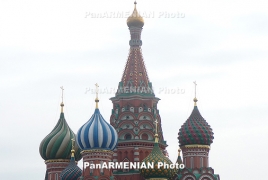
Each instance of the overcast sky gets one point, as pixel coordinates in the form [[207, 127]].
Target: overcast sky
[[222, 44]]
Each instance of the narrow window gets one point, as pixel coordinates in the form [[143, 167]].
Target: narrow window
[[101, 170], [192, 162], [91, 169]]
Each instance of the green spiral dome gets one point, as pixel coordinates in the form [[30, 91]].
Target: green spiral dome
[[157, 172], [57, 144]]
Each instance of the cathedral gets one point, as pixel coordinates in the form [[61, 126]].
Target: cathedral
[[134, 134]]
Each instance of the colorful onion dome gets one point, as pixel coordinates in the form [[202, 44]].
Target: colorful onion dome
[[155, 157], [96, 133], [57, 144], [135, 19], [195, 130], [72, 171]]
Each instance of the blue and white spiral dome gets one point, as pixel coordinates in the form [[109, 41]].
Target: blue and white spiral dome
[[96, 133]]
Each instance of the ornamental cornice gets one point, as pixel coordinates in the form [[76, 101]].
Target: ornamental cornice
[[129, 96], [196, 146], [57, 160], [97, 151]]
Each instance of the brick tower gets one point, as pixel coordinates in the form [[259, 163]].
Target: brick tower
[[56, 148], [135, 107], [195, 138], [97, 140]]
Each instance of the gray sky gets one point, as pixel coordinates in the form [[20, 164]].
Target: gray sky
[[223, 45]]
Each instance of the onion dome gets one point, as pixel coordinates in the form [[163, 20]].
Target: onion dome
[[57, 144], [135, 19], [195, 130], [155, 157], [96, 133], [72, 171]]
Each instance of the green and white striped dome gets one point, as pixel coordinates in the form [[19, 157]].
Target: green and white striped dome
[[57, 144]]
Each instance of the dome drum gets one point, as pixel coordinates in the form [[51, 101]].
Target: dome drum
[[103, 154]]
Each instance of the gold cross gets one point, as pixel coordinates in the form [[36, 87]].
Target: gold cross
[[195, 89], [97, 90], [61, 93], [156, 122], [73, 143]]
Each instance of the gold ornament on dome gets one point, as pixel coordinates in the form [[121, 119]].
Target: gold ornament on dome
[[135, 19]]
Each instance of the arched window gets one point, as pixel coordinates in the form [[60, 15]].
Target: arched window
[[126, 154], [185, 161], [127, 169], [56, 176], [144, 136], [128, 136], [201, 162]]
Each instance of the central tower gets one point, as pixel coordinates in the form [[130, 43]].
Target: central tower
[[135, 107]]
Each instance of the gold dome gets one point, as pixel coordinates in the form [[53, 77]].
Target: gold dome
[[135, 19]]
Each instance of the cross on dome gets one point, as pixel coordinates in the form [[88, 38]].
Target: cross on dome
[[62, 99], [195, 99], [97, 99], [73, 143], [156, 133]]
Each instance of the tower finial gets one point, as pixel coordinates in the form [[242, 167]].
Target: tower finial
[[73, 151], [195, 99], [179, 152], [135, 20], [97, 99], [62, 99], [156, 132]]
